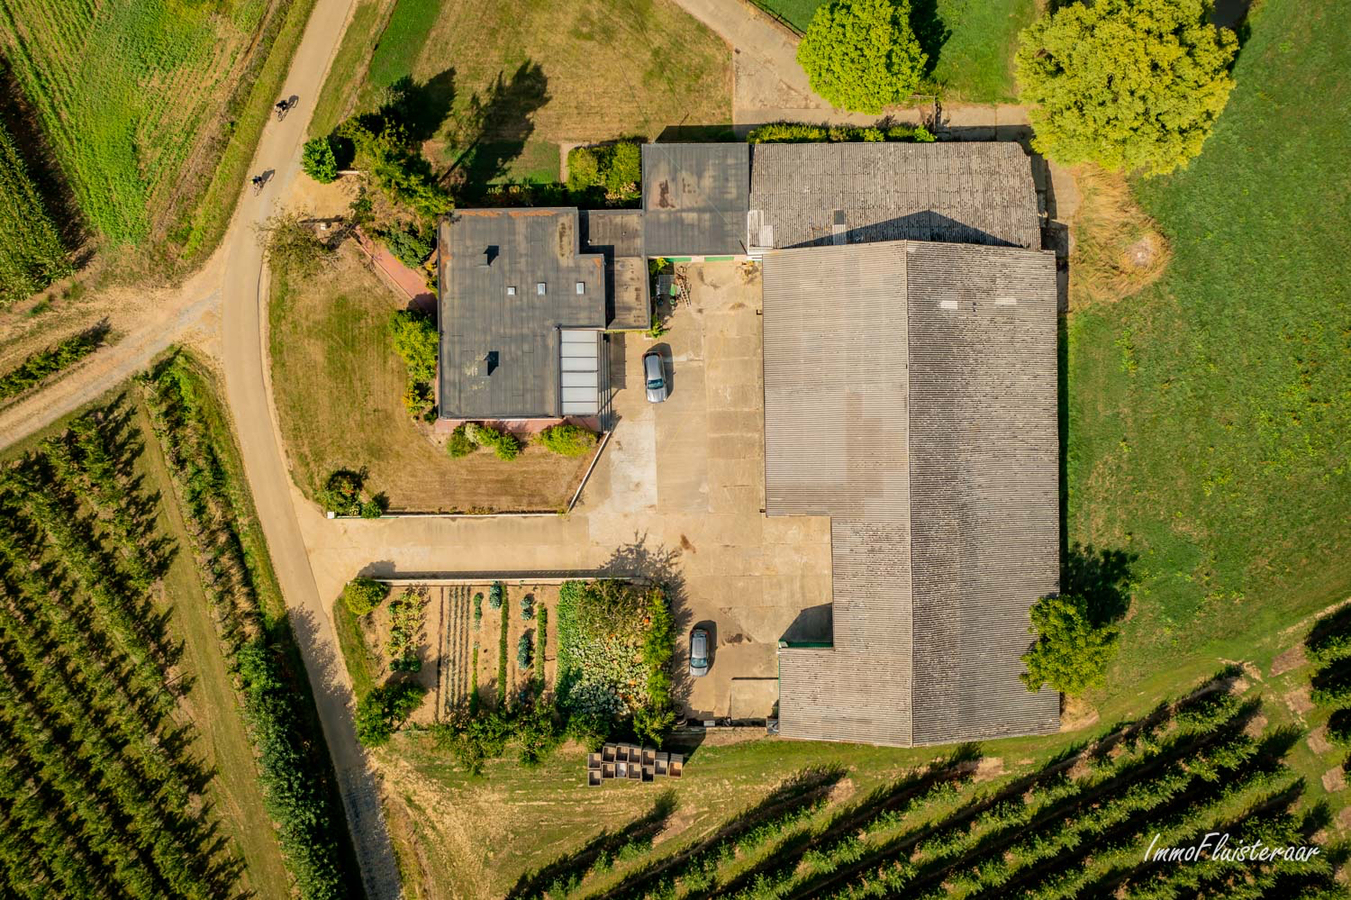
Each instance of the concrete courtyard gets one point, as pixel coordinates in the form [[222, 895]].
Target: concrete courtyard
[[689, 474]]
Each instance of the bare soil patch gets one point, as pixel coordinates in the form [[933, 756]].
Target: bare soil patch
[[1288, 661]]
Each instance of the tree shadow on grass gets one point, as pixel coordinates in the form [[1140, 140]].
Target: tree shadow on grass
[[494, 129], [561, 876], [930, 30], [1103, 578]]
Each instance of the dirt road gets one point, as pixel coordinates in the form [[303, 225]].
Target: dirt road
[[247, 389]]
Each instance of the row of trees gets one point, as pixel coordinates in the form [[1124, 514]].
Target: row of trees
[[39, 366], [1132, 85], [99, 789], [1074, 828], [298, 789]]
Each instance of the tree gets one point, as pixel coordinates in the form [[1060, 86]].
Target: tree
[[318, 161], [416, 342], [862, 55], [1071, 652], [384, 709], [1132, 85], [292, 245], [363, 595]]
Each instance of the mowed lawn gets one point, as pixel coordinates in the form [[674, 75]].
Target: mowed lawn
[[339, 387], [970, 42], [537, 73], [142, 100], [1210, 415]]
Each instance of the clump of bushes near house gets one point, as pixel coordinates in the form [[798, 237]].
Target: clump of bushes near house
[[384, 709], [343, 495], [504, 444], [415, 340], [362, 595], [459, 445], [613, 172], [410, 244], [567, 440], [798, 133]]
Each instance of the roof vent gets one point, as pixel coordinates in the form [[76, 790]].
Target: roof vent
[[511, 290], [581, 287], [541, 288]]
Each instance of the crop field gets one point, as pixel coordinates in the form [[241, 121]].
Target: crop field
[[32, 254], [970, 43], [1208, 415], [112, 738], [156, 710], [535, 74], [137, 99]]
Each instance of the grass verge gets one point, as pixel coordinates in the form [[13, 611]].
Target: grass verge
[[356, 654]]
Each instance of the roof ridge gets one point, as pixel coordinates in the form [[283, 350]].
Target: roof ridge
[[909, 490]]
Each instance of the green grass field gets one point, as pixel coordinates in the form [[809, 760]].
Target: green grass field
[[146, 102], [1209, 415], [971, 50]]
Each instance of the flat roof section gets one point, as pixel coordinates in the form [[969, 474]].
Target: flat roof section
[[813, 195], [618, 235], [695, 199], [510, 279], [910, 394]]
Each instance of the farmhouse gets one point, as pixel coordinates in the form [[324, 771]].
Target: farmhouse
[[909, 324]]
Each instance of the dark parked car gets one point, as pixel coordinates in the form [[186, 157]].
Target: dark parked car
[[654, 374], [698, 653]]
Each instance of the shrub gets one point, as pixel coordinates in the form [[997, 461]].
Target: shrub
[[405, 630], [318, 161], [381, 711], [798, 133], [361, 595], [505, 445], [459, 444], [415, 340], [861, 55], [371, 509], [411, 245], [497, 592], [527, 607], [1071, 653], [1339, 728], [1132, 85], [478, 609], [383, 149], [341, 493], [525, 650], [567, 440]]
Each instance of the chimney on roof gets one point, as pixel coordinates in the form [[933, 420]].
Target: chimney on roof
[[487, 364], [489, 254]]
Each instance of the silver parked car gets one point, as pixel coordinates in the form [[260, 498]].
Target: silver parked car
[[698, 653], [654, 374]]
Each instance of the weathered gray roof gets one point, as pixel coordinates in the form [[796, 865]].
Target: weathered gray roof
[[694, 198], [617, 234], [805, 195], [910, 394], [478, 317]]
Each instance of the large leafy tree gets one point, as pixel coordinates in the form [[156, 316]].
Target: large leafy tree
[[1133, 85], [862, 55], [1071, 652]]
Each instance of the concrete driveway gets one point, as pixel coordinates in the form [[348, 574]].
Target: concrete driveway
[[689, 474]]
